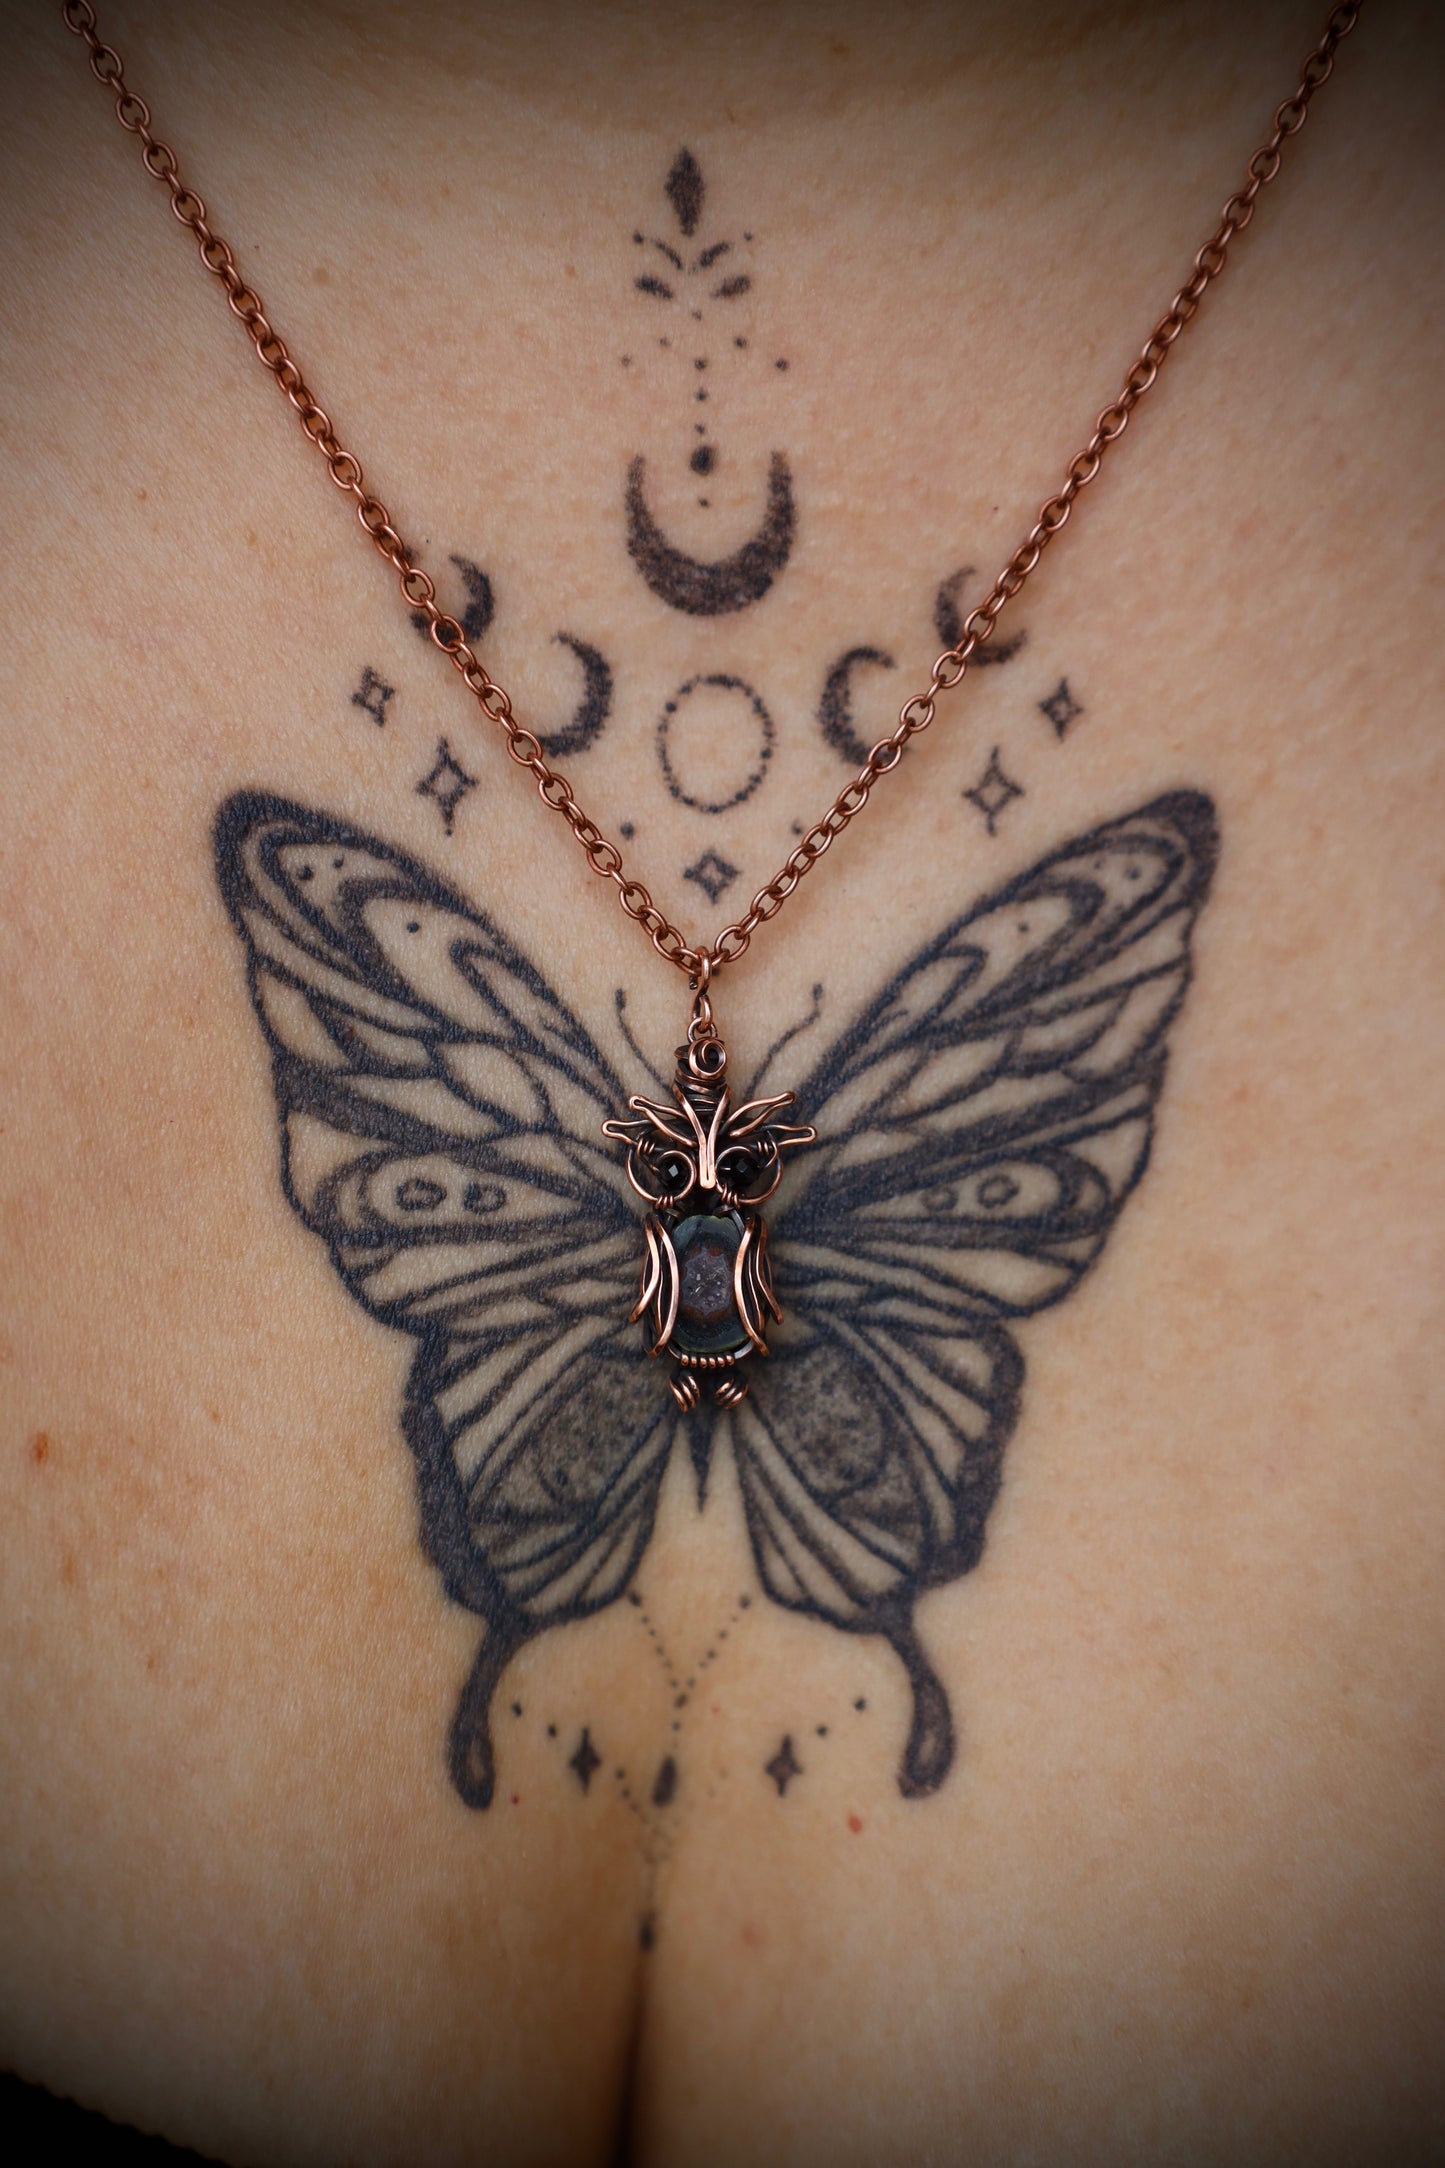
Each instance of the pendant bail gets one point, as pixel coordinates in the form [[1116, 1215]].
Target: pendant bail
[[705, 1053]]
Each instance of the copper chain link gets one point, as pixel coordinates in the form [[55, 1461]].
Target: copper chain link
[[703, 961]]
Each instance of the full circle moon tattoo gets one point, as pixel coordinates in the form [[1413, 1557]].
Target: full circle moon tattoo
[[674, 760]]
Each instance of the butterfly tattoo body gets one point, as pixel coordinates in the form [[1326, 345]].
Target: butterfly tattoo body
[[978, 1129]]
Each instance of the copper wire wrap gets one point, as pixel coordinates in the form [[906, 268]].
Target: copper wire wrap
[[702, 960]]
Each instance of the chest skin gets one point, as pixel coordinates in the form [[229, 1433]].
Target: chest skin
[[1179, 1897]]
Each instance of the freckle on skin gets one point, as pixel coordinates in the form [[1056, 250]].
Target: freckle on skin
[[752, 1936], [40, 1448]]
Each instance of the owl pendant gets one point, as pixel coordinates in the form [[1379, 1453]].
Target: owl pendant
[[704, 1167]]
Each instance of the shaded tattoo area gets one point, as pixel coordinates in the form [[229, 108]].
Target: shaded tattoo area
[[979, 1128], [702, 588]]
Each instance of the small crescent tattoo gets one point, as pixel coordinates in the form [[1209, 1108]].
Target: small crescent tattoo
[[729, 583], [592, 710], [835, 707]]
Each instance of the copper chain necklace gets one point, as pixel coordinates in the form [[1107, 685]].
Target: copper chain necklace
[[702, 1166]]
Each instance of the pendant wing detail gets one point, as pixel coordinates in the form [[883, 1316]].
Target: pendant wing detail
[[980, 1128], [440, 1112]]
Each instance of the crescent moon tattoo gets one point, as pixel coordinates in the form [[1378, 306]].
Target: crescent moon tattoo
[[948, 624], [729, 583], [592, 710], [480, 606], [835, 705]]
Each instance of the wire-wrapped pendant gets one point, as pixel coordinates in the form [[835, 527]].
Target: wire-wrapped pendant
[[704, 1167]]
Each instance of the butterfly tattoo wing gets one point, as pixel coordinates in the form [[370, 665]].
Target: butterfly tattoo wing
[[980, 1128], [440, 1115]]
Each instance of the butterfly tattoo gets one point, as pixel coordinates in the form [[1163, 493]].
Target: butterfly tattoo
[[978, 1129]]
